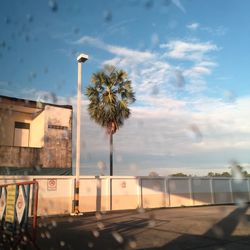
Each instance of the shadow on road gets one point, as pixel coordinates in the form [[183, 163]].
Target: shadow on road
[[157, 229], [219, 237]]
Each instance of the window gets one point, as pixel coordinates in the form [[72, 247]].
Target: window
[[21, 134]]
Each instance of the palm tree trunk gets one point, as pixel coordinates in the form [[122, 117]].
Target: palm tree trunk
[[111, 153]]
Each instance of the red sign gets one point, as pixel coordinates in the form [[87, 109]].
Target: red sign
[[52, 185]]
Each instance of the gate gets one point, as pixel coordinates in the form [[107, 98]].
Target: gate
[[17, 201]]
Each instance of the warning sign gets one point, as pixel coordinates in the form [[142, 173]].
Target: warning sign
[[52, 185], [123, 184], [20, 205], [10, 206], [2, 203]]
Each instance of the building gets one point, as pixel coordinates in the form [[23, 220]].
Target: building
[[35, 137]]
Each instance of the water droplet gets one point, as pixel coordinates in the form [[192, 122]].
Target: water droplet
[[155, 90], [107, 16], [53, 5], [98, 216], [7, 20], [151, 223], [102, 166], [54, 224], [132, 244], [100, 225], [229, 96], [96, 233], [149, 4], [117, 237], [70, 220], [196, 132], [62, 243], [141, 210], [76, 30], [3, 44], [90, 244], [47, 233], [180, 80], [218, 232], [29, 18]]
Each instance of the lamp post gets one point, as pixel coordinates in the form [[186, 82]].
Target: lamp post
[[80, 59]]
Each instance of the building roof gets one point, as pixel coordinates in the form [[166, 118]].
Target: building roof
[[7, 100]]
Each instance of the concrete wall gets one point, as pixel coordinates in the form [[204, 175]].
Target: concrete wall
[[58, 137], [50, 139], [37, 129], [7, 121], [20, 156], [106, 193]]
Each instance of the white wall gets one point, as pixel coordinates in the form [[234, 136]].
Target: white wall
[[106, 193]]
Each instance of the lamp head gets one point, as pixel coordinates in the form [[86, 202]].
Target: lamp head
[[82, 58]]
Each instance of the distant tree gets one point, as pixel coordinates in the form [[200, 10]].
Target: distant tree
[[153, 174], [110, 94], [179, 175], [210, 174], [238, 170], [226, 174]]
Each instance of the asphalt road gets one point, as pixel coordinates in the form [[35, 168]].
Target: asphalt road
[[206, 228]]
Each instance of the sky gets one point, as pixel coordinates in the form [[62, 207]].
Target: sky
[[188, 62]]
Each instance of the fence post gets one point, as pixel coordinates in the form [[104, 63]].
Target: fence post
[[231, 190], [169, 192], [165, 191], [111, 193], [248, 187], [139, 192], [212, 190], [191, 191]]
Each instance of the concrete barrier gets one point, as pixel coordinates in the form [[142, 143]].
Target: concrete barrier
[[105, 193]]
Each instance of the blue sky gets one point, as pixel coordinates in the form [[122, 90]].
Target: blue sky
[[188, 61]]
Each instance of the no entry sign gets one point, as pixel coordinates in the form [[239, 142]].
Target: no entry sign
[[51, 184]]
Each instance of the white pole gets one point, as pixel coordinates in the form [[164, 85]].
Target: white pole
[[80, 59], [78, 121]]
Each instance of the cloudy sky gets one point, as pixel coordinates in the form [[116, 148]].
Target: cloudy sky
[[188, 61]]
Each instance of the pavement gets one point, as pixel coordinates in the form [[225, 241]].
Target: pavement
[[224, 227]]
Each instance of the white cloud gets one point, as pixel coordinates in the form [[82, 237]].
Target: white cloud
[[215, 31], [193, 26], [138, 56], [91, 41], [161, 125], [193, 51], [191, 134], [151, 73], [179, 5]]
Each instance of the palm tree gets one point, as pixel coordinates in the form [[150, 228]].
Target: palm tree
[[110, 94]]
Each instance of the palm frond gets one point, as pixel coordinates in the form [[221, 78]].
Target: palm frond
[[110, 94]]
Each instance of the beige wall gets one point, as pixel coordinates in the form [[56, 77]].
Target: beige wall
[[7, 120], [58, 142], [201, 190], [57, 116], [180, 192], [124, 193], [37, 130], [153, 193], [51, 131], [117, 193]]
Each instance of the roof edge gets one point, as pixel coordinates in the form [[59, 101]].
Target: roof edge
[[31, 103]]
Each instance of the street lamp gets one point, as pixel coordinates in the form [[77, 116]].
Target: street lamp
[[80, 59]]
